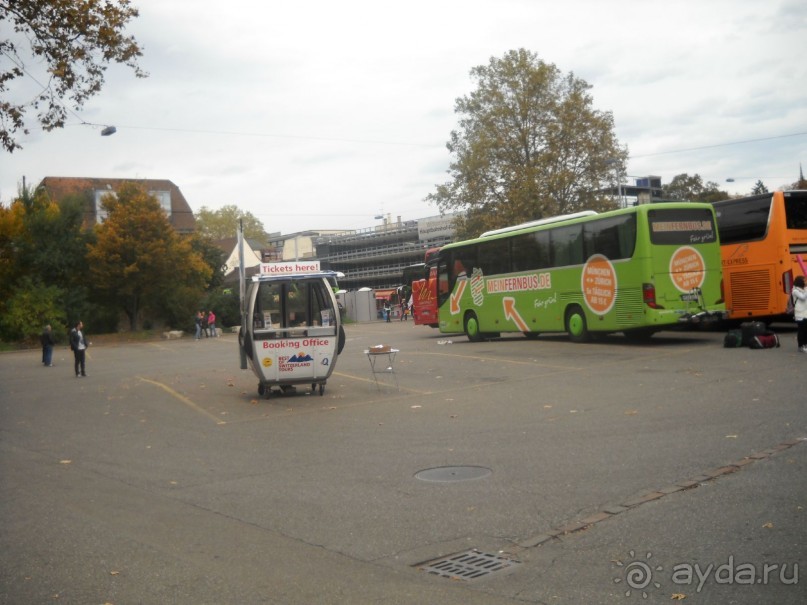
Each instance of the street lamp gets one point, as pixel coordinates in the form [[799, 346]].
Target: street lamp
[[617, 164], [108, 130]]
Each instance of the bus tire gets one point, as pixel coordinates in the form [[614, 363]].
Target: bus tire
[[576, 324], [472, 327]]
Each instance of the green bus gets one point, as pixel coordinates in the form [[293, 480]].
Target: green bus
[[635, 270]]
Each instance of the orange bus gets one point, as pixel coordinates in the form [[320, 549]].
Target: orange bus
[[763, 244]]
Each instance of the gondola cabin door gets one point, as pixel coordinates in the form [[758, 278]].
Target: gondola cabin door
[[294, 332]]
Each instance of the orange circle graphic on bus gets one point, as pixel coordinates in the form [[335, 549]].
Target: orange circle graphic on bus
[[687, 269], [267, 362], [598, 282]]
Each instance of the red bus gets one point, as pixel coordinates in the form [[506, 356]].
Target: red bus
[[423, 280]]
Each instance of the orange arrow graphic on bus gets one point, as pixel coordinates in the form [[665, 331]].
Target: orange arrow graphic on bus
[[511, 313], [454, 299]]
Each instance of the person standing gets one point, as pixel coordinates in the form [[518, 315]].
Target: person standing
[[47, 346], [78, 343], [387, 311], [198, 325], [211, 323], [799, 295]]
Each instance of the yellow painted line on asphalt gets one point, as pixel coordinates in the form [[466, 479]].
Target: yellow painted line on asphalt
[[382, 382], [183, 399]]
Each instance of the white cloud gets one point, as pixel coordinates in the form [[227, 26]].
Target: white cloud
[[321, 114]]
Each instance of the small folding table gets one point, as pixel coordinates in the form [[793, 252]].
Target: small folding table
[[382, 361]]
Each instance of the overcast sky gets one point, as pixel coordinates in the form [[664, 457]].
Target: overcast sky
[[322, 114]]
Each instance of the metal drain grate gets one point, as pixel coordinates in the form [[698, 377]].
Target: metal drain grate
[[469, 565]]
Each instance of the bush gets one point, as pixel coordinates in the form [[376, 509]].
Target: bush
[[31, 306]]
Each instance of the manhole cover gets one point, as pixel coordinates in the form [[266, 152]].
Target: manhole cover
[[445, 474], [469, 565]]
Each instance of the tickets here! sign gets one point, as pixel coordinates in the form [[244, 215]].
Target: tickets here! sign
[[290, 268]]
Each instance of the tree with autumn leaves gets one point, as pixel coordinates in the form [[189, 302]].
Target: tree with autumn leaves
[[41, 244], [57, 57], [529, 145], [55, 271], [140, 264]]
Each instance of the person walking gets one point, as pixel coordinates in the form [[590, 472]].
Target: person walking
[[47, 346], [387, 311], [211, 323], [799, 295], [198, 325], [78, 344]]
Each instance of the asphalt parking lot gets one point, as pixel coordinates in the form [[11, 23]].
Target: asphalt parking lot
[[508, 471]]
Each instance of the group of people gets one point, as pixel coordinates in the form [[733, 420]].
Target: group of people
[[206, 324], [78, 344], [387, 311]]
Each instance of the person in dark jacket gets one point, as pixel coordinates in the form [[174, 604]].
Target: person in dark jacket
[[78, 344], [47, 346]]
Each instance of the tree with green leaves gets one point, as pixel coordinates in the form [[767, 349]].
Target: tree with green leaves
[[759, 188], [59, 59], [31, 304], [213, 257], [529, 144], [223, 223], [692, 189], [141, 264], [42, 248]]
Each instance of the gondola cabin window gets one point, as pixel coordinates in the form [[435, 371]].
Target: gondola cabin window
[[293, 308]]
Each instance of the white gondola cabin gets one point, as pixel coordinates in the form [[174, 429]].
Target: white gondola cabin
[[293, 330]]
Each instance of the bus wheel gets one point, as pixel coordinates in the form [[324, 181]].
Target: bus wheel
[[576, 325], [472, 328]]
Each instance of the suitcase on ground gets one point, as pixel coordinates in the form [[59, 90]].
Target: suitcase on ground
[[751, 329], [733, 339], [767, 340]]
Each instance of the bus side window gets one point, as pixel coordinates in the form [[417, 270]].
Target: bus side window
[[567, 245], [464, 263], [530, 251], [494, 257], [442, 279], [614, 238]]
